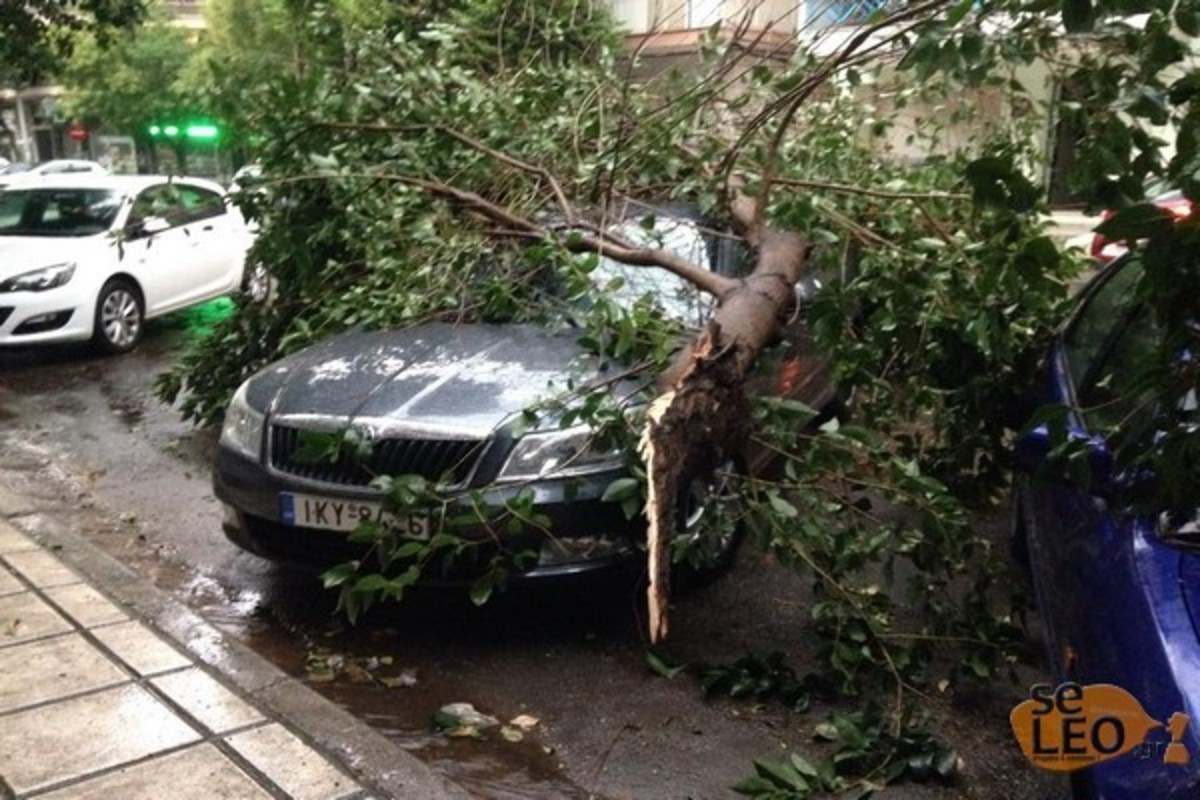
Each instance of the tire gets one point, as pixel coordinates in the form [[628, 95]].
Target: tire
[[258, 285], [709, 529], [120, 317]]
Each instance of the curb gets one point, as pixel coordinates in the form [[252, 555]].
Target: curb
[[382, 767]]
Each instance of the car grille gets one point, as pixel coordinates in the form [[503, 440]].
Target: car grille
[[430, 458]]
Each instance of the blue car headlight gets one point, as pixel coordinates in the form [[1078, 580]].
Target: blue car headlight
[[243, 428]]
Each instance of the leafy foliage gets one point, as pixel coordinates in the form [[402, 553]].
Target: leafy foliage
[[132, 78], [35, 35], [945, 285]]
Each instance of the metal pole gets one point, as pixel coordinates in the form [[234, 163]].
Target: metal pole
[[25, 152]]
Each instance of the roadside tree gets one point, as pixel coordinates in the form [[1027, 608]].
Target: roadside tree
[[420, 167]]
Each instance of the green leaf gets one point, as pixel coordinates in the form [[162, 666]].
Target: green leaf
[[620, 489], [1136, 222], [661, 666], [782, 507], [338, 575], [481, 589]]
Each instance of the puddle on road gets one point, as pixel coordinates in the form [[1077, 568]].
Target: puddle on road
[[293, 619]]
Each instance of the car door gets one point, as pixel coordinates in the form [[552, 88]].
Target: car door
[[216, 239], [1080, 541], [160, 258]]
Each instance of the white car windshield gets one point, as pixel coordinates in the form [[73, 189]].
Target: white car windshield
[[678, 298], [57, 212]]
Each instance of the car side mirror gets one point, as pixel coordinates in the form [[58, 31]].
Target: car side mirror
[[1080, 459]]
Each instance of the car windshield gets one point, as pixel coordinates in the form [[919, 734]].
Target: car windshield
[[57, 212], [678, 298]]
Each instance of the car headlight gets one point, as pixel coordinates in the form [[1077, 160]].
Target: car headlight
[[562, 453], [39, 280], [243, 428]]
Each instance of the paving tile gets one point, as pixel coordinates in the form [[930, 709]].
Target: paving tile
[[76, 737], [12, 540], [137, 646], [8, 583], [298, 769], [41, 568], [85, 605], [23, 617], [197, 773], [12, 504], [52, 668], [208, 701]]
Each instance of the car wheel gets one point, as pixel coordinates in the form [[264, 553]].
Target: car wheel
[[710, 530], [120, 317], [258, 284]]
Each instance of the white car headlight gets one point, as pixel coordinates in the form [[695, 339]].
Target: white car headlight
[[558, 454], [243, 428], [39, 280]]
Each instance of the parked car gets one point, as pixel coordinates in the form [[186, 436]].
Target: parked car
[[1119, 591], [1105, 251], [58, 166], [92, 257], [438, 401]]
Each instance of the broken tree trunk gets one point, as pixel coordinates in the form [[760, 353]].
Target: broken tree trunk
[[701, 416]]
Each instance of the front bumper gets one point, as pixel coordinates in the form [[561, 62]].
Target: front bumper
[[587, 535], [58, 315]]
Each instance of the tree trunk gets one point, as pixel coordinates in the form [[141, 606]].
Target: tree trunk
[[701, 417]]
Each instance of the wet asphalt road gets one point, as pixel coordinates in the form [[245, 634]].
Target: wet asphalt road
[[88, 433]]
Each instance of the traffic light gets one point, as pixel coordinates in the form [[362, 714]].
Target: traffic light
[[198, 131]]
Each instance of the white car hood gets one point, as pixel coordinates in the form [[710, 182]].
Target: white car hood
[[20, 254]]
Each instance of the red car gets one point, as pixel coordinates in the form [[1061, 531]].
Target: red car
[[1105, 251]]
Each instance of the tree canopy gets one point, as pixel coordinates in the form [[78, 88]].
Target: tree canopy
[[37, 35]]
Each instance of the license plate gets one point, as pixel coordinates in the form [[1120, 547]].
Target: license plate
[[336, 514]]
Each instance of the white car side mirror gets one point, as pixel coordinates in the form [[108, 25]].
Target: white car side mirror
[[154, 225]]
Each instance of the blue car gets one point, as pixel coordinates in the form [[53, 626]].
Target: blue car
[[1119, 603]]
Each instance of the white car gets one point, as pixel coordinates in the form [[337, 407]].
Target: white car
[[92, 257], [59, 166]]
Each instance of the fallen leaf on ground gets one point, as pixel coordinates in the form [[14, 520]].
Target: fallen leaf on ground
[[510, 734], [524, 722]]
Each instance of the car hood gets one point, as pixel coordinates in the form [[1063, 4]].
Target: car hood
[[24, 253], [465, 379]]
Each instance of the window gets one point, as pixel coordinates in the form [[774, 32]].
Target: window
[[1109, 394], [821, 14], [1096, 320], [157, 201], [678, 298], [57, 212], [200, 203]]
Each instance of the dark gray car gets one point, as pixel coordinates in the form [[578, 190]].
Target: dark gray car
[[440, 401]]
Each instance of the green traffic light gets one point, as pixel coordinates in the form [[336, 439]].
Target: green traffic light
[[204, 132]]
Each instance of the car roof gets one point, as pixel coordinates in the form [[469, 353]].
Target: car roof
[[127, 184]]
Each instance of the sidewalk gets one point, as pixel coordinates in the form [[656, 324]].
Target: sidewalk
[[97, 703]]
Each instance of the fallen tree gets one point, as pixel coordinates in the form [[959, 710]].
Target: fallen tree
[[414, 175]]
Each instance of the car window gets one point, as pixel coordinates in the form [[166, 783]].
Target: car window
[[679, 298], [200, 203], [1110, 394], [158, 201], [57, 212], [1094, 322]]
